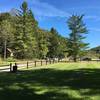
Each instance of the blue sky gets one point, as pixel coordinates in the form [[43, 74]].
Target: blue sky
[[54, 13]]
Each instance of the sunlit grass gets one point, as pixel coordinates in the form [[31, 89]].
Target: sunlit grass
[[60, 81]]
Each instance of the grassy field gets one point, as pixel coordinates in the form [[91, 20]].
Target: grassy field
[[62, 81]]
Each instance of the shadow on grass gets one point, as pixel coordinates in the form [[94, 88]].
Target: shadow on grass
[[21, 86]]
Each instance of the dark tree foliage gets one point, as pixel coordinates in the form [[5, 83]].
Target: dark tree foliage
[[25, 41], [76, 46], [57, 44]]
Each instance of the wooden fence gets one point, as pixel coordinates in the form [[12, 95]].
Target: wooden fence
[[38, 63], [27, 65]]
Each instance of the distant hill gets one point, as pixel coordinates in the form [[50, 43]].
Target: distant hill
[[95, 49], [94, 52]]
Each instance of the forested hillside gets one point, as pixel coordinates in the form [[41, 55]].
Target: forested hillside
[[94, 52]]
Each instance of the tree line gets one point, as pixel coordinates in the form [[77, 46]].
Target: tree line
[[20, 34]]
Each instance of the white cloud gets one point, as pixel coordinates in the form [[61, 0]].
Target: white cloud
[[95, 29], [92, 17]]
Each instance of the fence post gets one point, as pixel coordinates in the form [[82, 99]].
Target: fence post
[[27, 64], [10, 67], [35, 63], [15, 67]]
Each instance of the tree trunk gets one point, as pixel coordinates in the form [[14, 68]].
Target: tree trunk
[[75, 58], [5, 49]]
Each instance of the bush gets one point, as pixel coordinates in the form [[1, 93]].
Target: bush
[[87, 59], [1, 60], [10, 59]]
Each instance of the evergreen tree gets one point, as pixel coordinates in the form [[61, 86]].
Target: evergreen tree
[[75, 41], [57, 45], [42, 43], [62, 47], [25, 35]]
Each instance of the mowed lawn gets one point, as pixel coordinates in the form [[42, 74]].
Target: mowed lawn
[[61, 81]]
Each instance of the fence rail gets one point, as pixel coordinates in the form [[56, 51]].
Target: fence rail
[[27, 65], [37, 63]]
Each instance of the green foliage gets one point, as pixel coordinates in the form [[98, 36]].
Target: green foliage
[[24, 36], [42, 43], [76, 46], [6, 35], [10, 59], [6, 30], [57, 45]]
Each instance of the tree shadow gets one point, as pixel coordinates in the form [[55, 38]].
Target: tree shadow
[[24, 83]]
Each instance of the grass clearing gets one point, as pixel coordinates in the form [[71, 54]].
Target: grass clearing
[[61, 81]]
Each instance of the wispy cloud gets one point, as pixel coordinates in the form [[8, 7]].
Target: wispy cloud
[[92, 17], [94, 29], [43, 9], [90, 12]]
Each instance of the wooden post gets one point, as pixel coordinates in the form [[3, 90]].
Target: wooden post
[[10, 67], [15, 68], [35, 63], [41, 62], [15, 64], [27, 64]]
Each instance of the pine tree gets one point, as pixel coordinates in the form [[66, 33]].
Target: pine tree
[[42, 43], [53, 43], [25, 35], [75, 41]]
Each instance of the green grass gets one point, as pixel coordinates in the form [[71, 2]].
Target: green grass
[[62, 81]]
